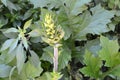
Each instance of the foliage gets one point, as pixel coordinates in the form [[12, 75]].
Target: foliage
[[86, 33]]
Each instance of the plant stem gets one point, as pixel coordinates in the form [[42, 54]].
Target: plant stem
[[55, 58]]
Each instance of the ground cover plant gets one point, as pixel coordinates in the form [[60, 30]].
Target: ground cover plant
[[59, 39]]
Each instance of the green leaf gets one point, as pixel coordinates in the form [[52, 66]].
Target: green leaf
[[115, 71], [48, 54], [10, 34], [27, 14], [68, 16], [46, 3], [64, 57], [11, 72], [93, 46], [4, 70], [4, 2], [10, 5], [79, 6], [67, 31], [27, 24], [93, 65], [31, 71], [45, 76], [38, 3], [35, 33], [109, 51], [11, 30], [7, 44], [3, 21], [25, 43], [34, 59], [13, 45], [6, 57], [95, 24], [20, 56], [50, 76]]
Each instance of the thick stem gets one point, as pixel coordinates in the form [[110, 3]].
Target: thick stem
[[55, 58]]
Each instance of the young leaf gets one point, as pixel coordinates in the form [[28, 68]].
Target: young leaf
[[93, 65], [27, 24], [109, 52], [20, 56], [25, 43]]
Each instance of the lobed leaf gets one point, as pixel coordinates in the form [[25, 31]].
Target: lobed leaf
[[109, 52], [93, 65]]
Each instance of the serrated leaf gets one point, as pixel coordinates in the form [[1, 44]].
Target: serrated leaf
[[4, 70], [109, 52], [68, 16], [93, 65], [31, 71], [67, 31], [79, 6], [115, 71], [27, 24], [48, 54], [76, 6], [95, 24], [7, 44], [20, 56], [64, 57]]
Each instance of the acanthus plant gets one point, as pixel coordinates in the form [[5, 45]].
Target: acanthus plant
[[54, 43], [52, 33]]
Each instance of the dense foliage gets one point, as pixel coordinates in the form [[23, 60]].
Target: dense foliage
[[59, 39]]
